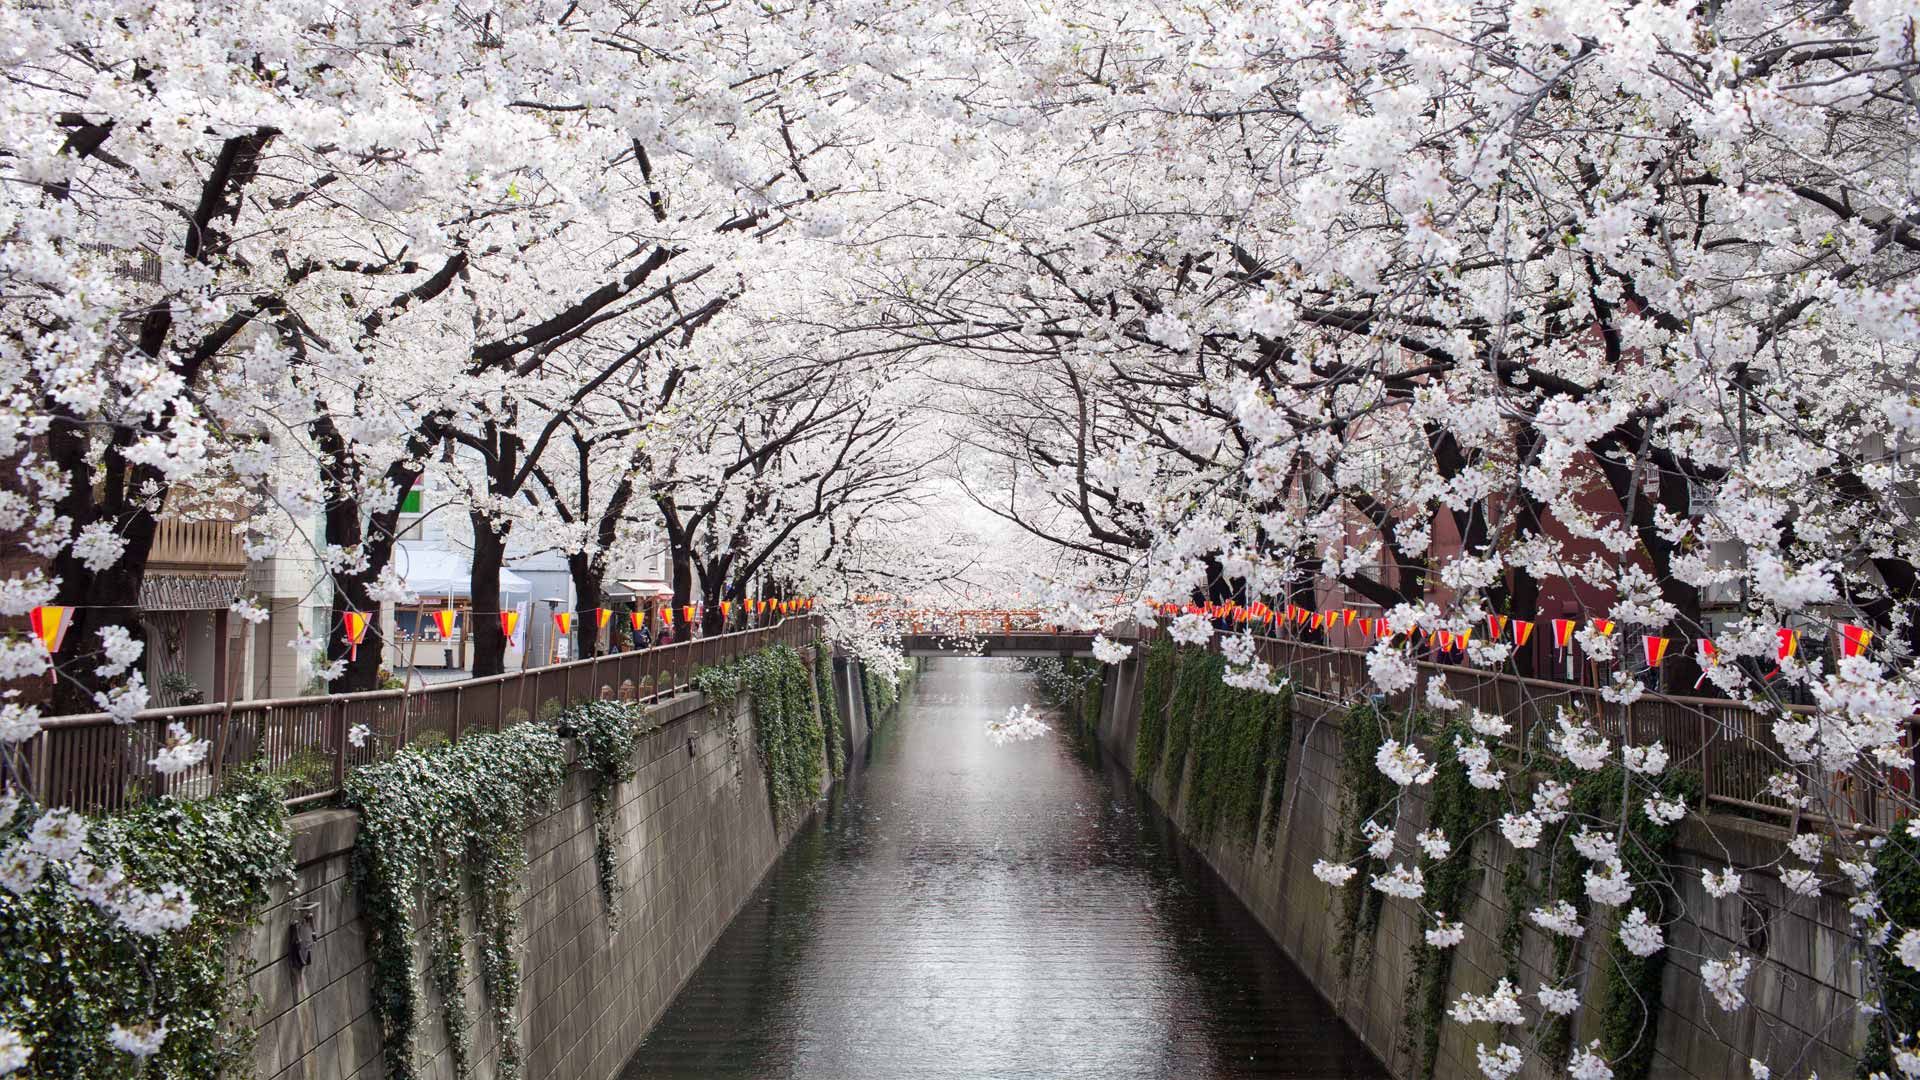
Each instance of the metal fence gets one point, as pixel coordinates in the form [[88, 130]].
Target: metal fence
[[1730, 744], [91, 763]]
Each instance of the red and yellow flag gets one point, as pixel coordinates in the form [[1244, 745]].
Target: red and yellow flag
[[563, 621], [1496, 625], [666, 616], [1366, 626], [50, 624], [1602, 626], [354, 623], [686, 614], [636, 620], [1854, 639], [1562, 633], [1347, 616], [509, 620], [1522, 630], [443, 621], [1655, 647], [726, 609], [1789, 642], [1465, 637], [602, 616], [1446, 641]]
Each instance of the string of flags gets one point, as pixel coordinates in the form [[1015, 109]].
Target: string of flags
[[1854, 640]]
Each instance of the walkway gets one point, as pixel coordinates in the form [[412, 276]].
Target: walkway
[[963, 910]]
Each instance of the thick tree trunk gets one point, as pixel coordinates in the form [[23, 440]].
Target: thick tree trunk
[[489, 555], [588, 584]]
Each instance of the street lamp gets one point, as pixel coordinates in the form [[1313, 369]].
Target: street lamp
[[552, 602]]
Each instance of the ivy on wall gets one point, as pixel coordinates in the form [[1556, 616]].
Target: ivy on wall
[[787, 728], [1279, 751], [1456, 808], [1196, 680], [1896, 986], [1156, 689], [1364, 792], [442, 831], [70, 971], [606, 730], [830, 710]]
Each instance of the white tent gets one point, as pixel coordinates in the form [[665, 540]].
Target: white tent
[[433, 572]]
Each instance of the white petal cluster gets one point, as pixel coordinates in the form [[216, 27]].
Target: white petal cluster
[[1334, 874], [1501, 1006], [1020, 724]]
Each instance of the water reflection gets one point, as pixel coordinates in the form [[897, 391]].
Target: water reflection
[[966, 910]]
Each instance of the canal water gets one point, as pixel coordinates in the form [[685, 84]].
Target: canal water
[[962, 910]]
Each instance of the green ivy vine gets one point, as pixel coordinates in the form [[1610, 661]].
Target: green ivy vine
[[606, 730], [69, 970], [1456, 808], [1196, 682], [787, 728], [1156, 688], [442, 831], [829, 710], [1233, 752], [1364, 792], [1279, 750], [1897, 882]]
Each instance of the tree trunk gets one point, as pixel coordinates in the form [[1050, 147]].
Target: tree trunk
[[489, 554], [588, 579]]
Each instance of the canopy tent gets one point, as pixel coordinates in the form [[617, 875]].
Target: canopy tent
[[431, 572]]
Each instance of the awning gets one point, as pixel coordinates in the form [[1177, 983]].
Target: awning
[[433, 572]]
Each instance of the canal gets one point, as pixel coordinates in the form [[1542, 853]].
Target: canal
[[965, 910]]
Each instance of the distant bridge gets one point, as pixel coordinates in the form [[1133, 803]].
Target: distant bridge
[[997, 643]]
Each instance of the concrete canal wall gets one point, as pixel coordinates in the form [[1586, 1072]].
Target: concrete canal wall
[[695, 834], [1802, 1017]]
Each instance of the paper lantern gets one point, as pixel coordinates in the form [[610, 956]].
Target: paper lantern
[[1496, 625], [1562, 633], [443, 621], [1522, 630], [1854, 639], [50, 623], [1655, 648], [354, 623]]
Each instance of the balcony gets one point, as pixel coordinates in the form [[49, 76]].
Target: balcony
[[201, 546]]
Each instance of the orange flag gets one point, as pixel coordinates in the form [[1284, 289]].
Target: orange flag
[[1522, 630], [636, 620], [1655, 647], [686, 614], [1854, 639], [1709, 656], [443, 621], [509, 620], [1347, 616], [1604, 626], [1562, 633], [1446, 641], [1496, 625], [726, 609], [601, 616], [355, 625], [1366, 627], [1465, 637], [50, 624], [563, 620]]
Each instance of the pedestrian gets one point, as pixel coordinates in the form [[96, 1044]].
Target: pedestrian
[[642, 638]]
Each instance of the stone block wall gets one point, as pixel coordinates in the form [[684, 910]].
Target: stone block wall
[[1803, 1017], [695, 833]]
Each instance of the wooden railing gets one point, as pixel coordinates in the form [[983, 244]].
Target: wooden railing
[[90, 763], [1731, 745]]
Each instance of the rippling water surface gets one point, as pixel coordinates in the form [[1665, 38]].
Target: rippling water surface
[[966, 910]]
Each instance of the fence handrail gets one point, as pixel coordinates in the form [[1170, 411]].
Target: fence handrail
[[89, 762]]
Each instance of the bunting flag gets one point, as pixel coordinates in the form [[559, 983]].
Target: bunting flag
[[1562, 633], [726, 609], [1604, 627], [1428, 636], [1709, 656], [564, 621], [355, 625], [1347, 616], [1522, 630], [50, 624], [666, 616], [1854, 639], [1789, 642], [601, 616], [1465, 637], [686, 614], [1655, 647], [1380, 627], [509, 620], [636, 620], [1366, 626], [443, 621], [1446, 641], [1496, 625]]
